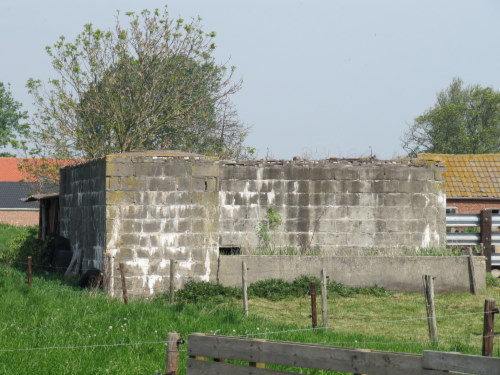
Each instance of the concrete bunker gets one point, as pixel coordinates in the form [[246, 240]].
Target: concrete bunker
[[145, 208]]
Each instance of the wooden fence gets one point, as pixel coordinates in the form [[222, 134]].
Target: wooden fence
[[208, 355]]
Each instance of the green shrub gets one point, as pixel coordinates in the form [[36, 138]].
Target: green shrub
[[273, 289], [340, 289], [277, 289], [201, 291], [375, 291], [302, 285], [8, 232], [492, 281], [25, 243]]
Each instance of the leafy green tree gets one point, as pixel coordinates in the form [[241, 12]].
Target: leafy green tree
[[12, 125], [152, 84], [464, 120]]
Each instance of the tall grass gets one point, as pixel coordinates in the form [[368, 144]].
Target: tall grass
[[53, 314]]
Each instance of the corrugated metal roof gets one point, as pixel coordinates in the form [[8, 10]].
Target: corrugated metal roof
[[474, 176], [39, 197], [11, 194]]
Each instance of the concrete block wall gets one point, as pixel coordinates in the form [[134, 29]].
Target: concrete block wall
[[334, 207], [146, 208], [161, 207], [82, 211], [401, 274]]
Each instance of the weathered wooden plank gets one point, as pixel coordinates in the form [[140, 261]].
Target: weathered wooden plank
[[470, 364], [305, 355], [196, 367]]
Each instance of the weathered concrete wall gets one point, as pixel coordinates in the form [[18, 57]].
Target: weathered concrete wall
[[145, 208], [403, 274], [161, 206], [82, 212], [334, 207]]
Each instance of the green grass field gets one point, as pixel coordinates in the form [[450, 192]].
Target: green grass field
[[53, 328]]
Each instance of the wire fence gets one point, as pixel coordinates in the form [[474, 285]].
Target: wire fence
[[280, 332]]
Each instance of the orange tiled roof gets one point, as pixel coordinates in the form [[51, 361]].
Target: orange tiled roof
[[474, 176], [11, 169]]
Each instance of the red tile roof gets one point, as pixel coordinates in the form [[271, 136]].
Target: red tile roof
[[9, 170], [29, 169]]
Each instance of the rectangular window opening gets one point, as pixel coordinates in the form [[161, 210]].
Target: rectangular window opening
[[230, 250]]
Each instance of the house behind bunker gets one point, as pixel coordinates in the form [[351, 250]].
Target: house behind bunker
[[145, 208]]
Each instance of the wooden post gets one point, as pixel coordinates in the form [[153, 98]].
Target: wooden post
[[472, 273], [428, 282], [485, 225], [487, 254], [171, 294], [489, 327], [314, 311], [244, 282], [124, 284], [30, 271], [257, 364], [173, 354], [107, 273], [324, 298]]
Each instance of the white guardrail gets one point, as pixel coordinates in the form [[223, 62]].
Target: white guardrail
[[469, 221], [495, 260]]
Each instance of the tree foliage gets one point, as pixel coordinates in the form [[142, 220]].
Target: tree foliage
[[151, 84], [464, 120], [12, 118]]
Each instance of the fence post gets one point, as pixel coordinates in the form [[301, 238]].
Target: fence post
[[324, 298], [124, 284], [428, 282], [174, 339], [30, 271], [314, 311], [107, 273], [171, 294], [244, 282], [485, 228], [489, 327], [472, 272], [257, 364]]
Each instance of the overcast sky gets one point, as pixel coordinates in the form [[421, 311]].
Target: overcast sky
[[320, 77]]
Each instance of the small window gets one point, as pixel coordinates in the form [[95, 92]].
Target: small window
[[229, 250], [451, 210]]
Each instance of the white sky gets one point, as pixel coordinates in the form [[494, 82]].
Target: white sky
[[321, 77]]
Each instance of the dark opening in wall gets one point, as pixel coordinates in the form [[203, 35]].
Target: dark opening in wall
[[451, 210], [229, 250]]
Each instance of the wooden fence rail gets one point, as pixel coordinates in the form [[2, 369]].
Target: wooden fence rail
[[203, 348]]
